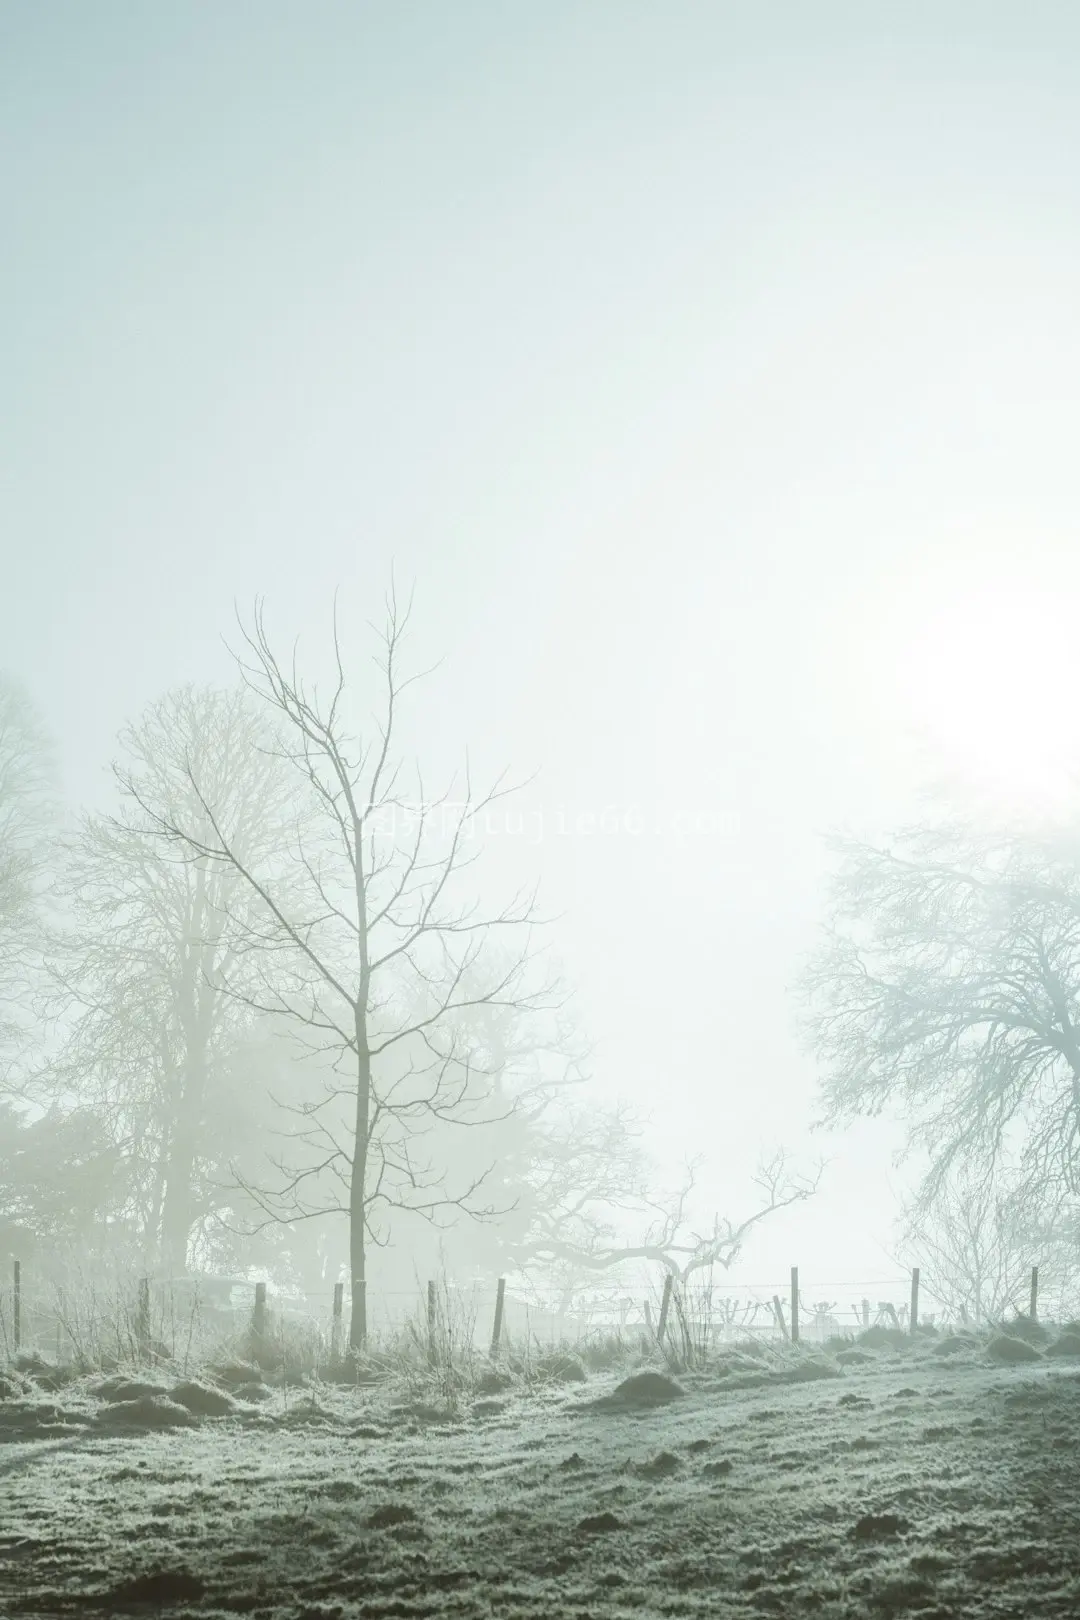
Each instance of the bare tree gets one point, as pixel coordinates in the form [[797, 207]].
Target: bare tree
[[26, 819], [529, 1081], [569, 1228], [371, 950], [976, 1242], [948, 990], [153, 929]]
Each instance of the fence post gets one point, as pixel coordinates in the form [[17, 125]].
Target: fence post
[[913, 1318], [665, 1306], [865, 1314], [59, 1323], [142, 1320], [1034, 1293], [258, 1320], [648, 1318], [335, 1331], [779, 1309], [431, 1321], [496, 1332], [17, 1312], [794, 1304]]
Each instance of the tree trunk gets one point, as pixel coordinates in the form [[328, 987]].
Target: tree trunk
[[358, 1325], [176, 1213], [152, 1233], [195, 1003]]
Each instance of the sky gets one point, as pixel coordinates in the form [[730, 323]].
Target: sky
[[711, 369]]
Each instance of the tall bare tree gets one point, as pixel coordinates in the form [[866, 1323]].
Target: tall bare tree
[[372, 945], [947, 991], [153, 929]]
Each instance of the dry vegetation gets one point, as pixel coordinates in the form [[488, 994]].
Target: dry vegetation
[[937, 1477]]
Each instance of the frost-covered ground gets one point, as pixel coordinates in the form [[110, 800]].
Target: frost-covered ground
[[908, 1482]]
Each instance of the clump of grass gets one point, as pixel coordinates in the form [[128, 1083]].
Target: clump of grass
[[703, 1327], [606, 1350], [1024, 1327], [436, 1360]]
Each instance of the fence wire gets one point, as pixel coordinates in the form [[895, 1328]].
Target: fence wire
[[190, 1317]]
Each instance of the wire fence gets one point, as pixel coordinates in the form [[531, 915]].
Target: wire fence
[[196, 1318]]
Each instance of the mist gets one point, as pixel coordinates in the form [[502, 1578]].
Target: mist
[[538, 766]]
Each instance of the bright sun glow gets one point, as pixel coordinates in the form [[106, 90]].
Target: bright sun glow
[[992, 681]]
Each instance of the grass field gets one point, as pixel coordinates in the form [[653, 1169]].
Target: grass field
[[895, 1481]]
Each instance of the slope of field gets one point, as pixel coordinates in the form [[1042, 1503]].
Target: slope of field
[[906, 1484]]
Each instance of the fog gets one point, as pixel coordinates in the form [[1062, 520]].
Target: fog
[[705, 376]]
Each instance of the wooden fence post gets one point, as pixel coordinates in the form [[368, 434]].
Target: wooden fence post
[[1034, 1293], [665, 1306], [779, 1309], [335, 1331], [496, 1332], [142, 1320], [258, 1320], [913, 1318], [431, 1318], [17, 1302], [865, 1314], [59, 1323], [794, 1304], [648, 1318]]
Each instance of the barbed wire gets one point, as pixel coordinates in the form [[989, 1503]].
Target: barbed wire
[[282, 1291], [603, 1296]]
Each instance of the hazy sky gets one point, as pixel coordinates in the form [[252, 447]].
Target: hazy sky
[[705, 364]]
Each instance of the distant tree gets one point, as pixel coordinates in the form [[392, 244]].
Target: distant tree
[[153, 930], [947, 991], [578, 1170], [574, 1227], [58, 1182], [977, 1241], [372, 947], [27, 819], [261, 1085]]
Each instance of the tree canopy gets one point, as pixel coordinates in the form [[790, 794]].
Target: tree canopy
[[947, 991]]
